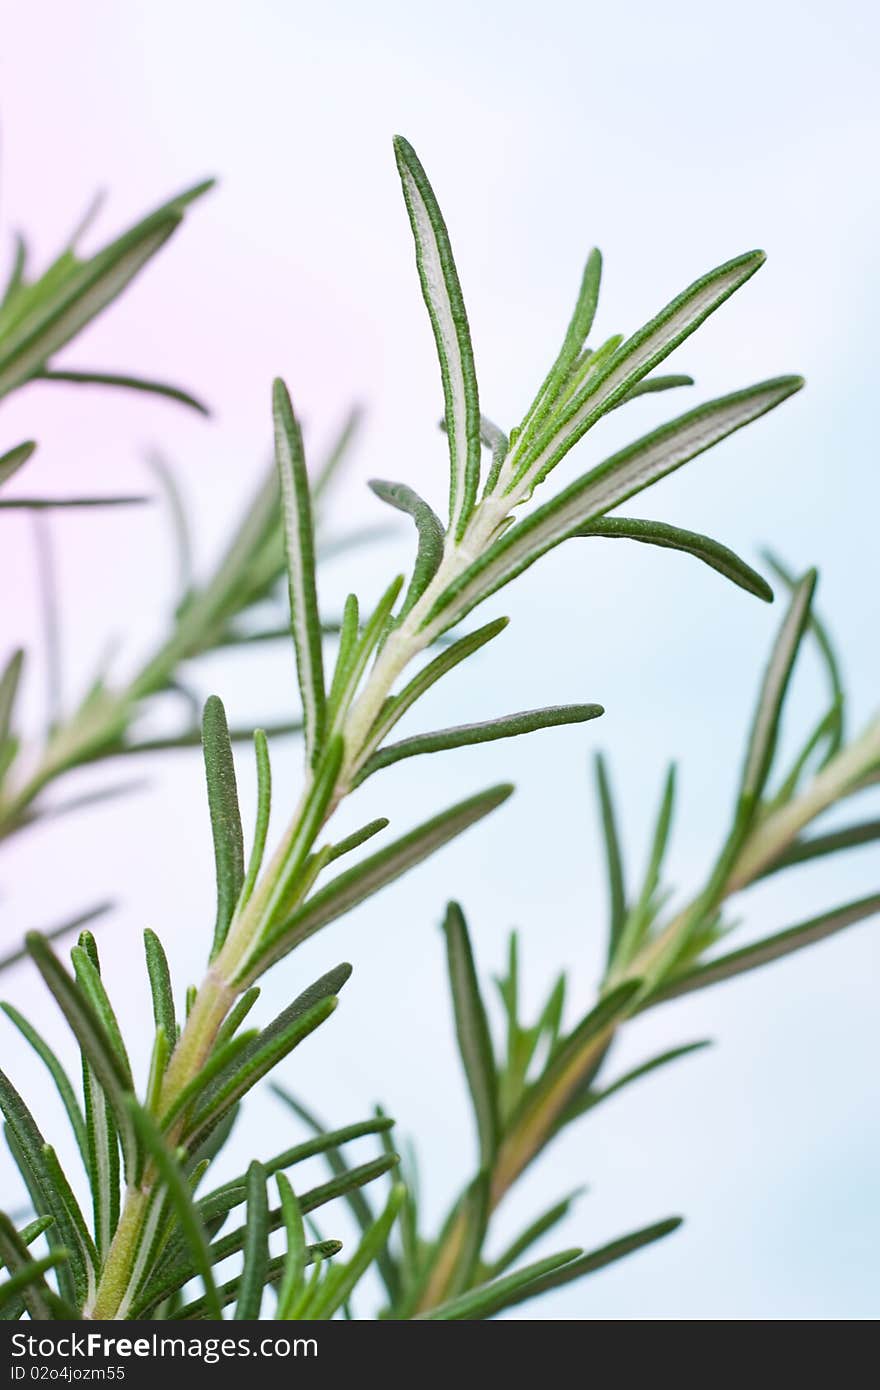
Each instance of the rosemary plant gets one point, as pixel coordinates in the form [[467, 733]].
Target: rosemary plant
[[544, 1077], [144, 1157]]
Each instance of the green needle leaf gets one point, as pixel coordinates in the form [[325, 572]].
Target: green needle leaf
[[826, 649], [270, 1048], [771, 948], [490, 1299], [295, 1259], [538, 1228], [596, 1259], [582, 1103], [653, 384], [12, 460], [613, 858], [9, 683], [357, 838], [430, 531], [345, 1278], [366, 878], [256, 1247], [442, 294], [129, 383], [299, 540], [576, 335], [712, 553], [848, 837], [463, 735], [632, 361], [82, 295], [26, 1285], [765, 725], [261, 828], [464, 647], [89, 1031], [472, 1031], [496, 440], [174, 1276], [225, 817], [164, 1015], [316, 1253], [49, 504], [41, 1177], [605, 487]]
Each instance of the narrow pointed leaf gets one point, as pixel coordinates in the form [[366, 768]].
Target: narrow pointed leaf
[[538, 1228], [765, 724], [497, 441], [447, 660], [653, 384], [596, 1260], [164, 1015], [472, 1032], [489, 1299], [463, 735], [442, 293], [581, 1104], [225, 816], [12, 460], [606, 486], [430, 531], [826, 649], [576, 335], [327, 1142], [170, 1277], [613, 858], [227, 1293], [49, 504], [91, 287], [355, 1198], [9, 683], [26, 1283], [88, 977], [372, 1243], [634, 359], [848, 837], [299, 539], [29, 1149], [28, 1286], [712, 553], [366, 878], [91, 1035], [770, 949], [291, 1284], [256, 1247], [128, 383], [358, 838], [247, 1071]]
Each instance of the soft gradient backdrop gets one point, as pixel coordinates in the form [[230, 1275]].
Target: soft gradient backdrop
[[673, 137]]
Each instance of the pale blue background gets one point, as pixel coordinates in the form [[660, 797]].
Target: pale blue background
[[672, 136]]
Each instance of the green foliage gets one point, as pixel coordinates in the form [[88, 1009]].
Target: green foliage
[[547, 1077], [147, 1146]]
